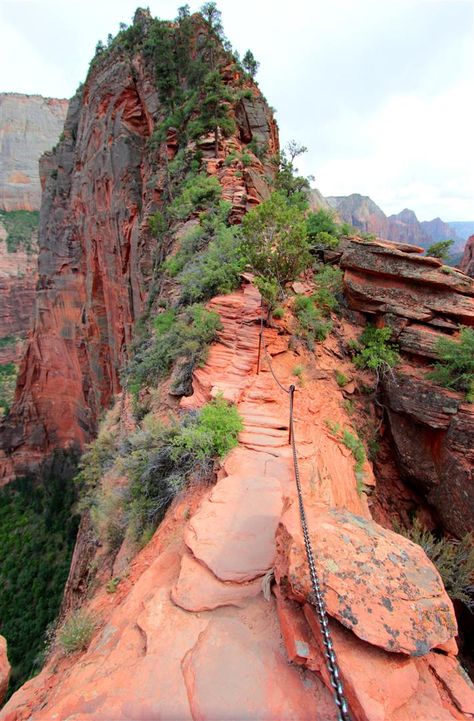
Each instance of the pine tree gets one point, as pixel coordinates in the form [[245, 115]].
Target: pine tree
[[250, 64]]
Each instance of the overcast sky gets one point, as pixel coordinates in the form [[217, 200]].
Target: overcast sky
[[380, 91]]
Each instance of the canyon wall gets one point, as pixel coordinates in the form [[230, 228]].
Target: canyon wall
[[101, 183], [29, 125]]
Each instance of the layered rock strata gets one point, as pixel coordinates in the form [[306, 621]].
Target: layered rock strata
[[467, 262], [195, 631], [101, 183], [29, 125], [432, 428]]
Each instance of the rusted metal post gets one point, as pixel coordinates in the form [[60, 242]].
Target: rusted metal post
[[290, 424]]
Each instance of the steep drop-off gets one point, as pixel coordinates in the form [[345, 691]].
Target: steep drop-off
[[95, 268], [213, 616]]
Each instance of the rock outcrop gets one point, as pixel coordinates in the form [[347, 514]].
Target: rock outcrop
[[432, 428], [467, 262], [29, 125], [101, 184]]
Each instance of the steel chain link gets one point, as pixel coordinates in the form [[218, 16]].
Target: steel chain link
[[318, 597]]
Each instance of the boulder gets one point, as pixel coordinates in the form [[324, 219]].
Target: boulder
[[377, 583]]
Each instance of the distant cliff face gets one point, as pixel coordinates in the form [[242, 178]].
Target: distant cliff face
[[404, 227], [29, 125], [467, 262]]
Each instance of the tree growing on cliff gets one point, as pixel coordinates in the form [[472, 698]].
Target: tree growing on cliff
[[440, 250], [250, 64], [455, 368], [275, 240]]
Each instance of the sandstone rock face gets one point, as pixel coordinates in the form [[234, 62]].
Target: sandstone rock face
[[29, 125], [467, 262], [433, 432], [432, 428], [95, 265], [189, 634], [4, 669]]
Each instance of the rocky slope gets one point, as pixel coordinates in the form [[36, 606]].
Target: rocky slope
[[29, 125], [194, 596], [214, 616]]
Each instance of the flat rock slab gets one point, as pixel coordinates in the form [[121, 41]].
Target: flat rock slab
[[238, 672], [198, 589], [377, 583], [233, 532]]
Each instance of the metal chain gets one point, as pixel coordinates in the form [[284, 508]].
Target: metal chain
[[319, 603], [331, 662]]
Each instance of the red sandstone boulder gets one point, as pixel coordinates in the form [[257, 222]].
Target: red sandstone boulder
[[377, 583]]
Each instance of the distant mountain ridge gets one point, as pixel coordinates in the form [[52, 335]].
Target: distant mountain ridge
[[404, 227]]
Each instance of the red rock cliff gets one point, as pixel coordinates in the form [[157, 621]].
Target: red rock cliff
[[101, 183]]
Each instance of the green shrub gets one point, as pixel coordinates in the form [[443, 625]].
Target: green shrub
[[278, 313], [97, 458], [198, 192], [312, 326], [356, 447], [215, 270], [298, 371], [455, 368], [7, 341], [186, 338], [275, 240], [157, 224], [160, 460], [76, 632], [341, 378], [377, 352], [440, 250], [37, 535], [269, 290], [453, 559]]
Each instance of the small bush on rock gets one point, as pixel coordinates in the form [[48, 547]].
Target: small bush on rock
[[76, 632], [312, 326], [455, 368], [453, 559], [378, 353]]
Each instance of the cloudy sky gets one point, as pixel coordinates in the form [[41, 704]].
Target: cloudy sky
[[380, 91]]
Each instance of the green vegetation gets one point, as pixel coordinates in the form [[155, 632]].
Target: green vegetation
[[76, 632], [312, 326], [440, 250], [453, 559], [298, 371], [328, 280], [341, 378], [8, 375], [7, 341], [275, 240], [375, 351], [161, 460], [455, 368], [250, 64], [323, 231], [37, 535], [21, 226], [278, 313], [197, 193], [216, 269], [184, 336]]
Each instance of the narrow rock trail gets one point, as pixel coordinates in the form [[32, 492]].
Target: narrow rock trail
[[189, 634]]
